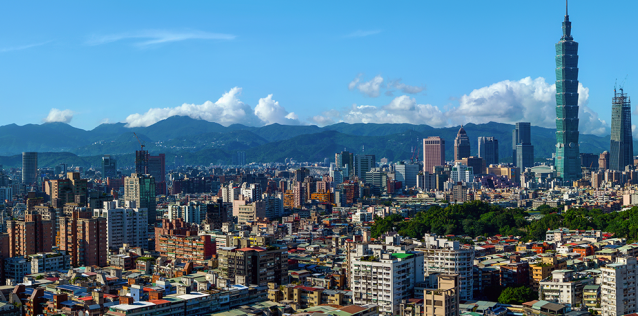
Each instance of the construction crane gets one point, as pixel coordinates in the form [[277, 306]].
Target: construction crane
[[139, 141]]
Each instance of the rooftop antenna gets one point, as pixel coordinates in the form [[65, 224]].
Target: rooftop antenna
[[566, 13]]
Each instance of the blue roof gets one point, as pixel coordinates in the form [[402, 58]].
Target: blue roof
[[47, 295], [70, 287], [70, 303], [612, 246]]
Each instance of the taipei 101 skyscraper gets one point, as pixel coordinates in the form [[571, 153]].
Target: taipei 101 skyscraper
[[567, 151]]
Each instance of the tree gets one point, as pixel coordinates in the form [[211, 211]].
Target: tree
[[517, 295]]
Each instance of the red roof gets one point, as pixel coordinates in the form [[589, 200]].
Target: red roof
[[86, 298], [258, 249], [159, 301], [307, 288], [53, 279]]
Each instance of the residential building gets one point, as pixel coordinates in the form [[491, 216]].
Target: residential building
[[433, 153], [254, 265], [560, 288], [247, 211], [461, 173], [30, 236], [543, 269], [49, 261], [450, 257], [29, 168], [73, 189], [567, 145], [439, 300], [124, 224], [461, 145], [621, 143], [591, 296], [191, 212], [140, 188], [198, 249], [603, 160], [385, 277], [619, 287], [488, 149], [84, 239]]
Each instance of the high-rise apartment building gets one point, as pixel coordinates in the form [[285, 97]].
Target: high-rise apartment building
[[124, 225], [622, 144], [140, 188], [345, 160], [449, 257], [522, 148], [84, 239], [73, 189], [461, 145], [603, 160], [254, 265], [619, 290], [29, 167], [363, 164], [385, 277], [488, 149], [433, 153], [109, 167], [198, 249], [567, 148], [30, 236]]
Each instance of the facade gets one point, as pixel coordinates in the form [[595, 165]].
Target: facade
[[461, 173], [254, 265], [567, 149], [140, 188], [345, 160], [522, 149], [124, 225], [73, 189], [198, 249], [488, 149], [157, 169], [406, 173], [560, 289], [84, 239], [621, 144], [384, 277], [461, 145], [49, 261], [619, 289], [29, 167], [603, 160], [449, 257], [363, 164], [439, 300], [433, 153], [109, 167], [30, 236]]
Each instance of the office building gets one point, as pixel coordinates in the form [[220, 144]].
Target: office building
[[157, 169], [567, 160], [589, 161], [141, 161], [30, 236], [619, 289], [140, 188], [385, 277], [433, 153], [29, 168], [406, 174], [241, 158], [478, 164], [363, 164], [109, 167], [449, 257], [124, 225], [84, 239], [248, 211], [345, 160], [522, 149], [621, 144], [603, 160], [237, 265], [461, 145], [461, 173], [488, 150]]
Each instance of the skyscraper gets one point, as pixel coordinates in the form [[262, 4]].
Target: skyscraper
[[567, 151], [141, 161], [140, 188], [621, 146], [344, 159], [29, 167], [363, 164], [488, 149], [433, 153], [109, 167], [461, 145], [522, 149], [157, 169]]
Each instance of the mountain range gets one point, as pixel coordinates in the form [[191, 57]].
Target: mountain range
[[202, 142]]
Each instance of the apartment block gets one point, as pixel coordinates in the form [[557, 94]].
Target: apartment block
[[197, 249], [30, 236], [619, 288], [254, 265], [124, 224], [84, 239]]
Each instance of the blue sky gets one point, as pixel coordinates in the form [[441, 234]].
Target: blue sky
[[435, 62]]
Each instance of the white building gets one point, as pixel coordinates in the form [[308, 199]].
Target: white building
[[124, 225], [190, 213], [362, 216], [252, 191], [619, 287], [560, 289], [274, 205], [461, 173], [449, 257], [50, 261], [384, 277]]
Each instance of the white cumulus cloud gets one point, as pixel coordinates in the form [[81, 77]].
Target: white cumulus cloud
[[61, 116], [269, 111], [370, 88], [228, 110]]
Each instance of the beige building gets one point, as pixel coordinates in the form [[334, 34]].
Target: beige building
[[441, 301]]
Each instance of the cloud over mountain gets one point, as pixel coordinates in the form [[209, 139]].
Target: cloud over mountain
[[61, 116]]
